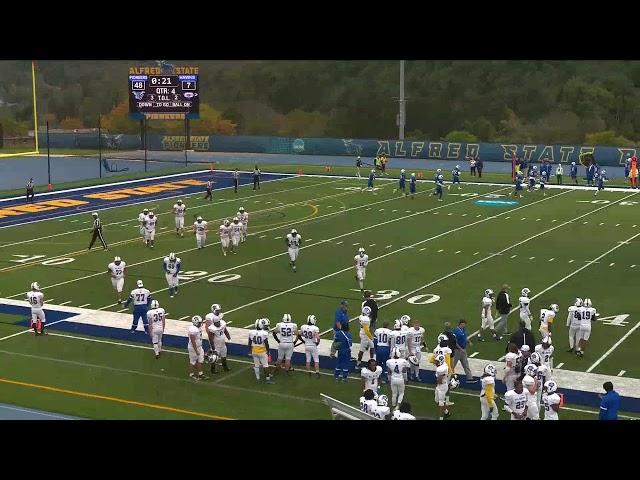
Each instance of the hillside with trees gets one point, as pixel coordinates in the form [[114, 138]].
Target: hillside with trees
[[589, 102]]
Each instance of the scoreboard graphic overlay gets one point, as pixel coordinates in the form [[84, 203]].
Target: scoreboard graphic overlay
[[163, 93]]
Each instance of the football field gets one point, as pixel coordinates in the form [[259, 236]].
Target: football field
[[430, 260]]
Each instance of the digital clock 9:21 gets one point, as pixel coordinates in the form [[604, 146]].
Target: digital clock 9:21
[[163, 81]]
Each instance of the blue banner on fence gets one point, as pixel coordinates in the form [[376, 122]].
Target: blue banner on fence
[[417, 149]]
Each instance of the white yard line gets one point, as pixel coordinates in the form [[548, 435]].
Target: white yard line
[[559, 365], [65, 303], [615, 345], [85, 305], [48, 324]]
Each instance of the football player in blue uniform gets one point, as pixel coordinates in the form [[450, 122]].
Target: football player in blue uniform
[[516, 192], [401, 183], [372, 175], [439, 181], [456, 177], [532, 178], [543, 181], [602, 177], [412, 185]]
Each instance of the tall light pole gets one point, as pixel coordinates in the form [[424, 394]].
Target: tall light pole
[[402, 115]]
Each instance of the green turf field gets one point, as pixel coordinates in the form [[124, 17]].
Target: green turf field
[[428, 259]]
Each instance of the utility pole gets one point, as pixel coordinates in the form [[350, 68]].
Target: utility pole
[[402, 115]]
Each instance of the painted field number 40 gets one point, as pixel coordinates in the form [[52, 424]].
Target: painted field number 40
[[31, 258]]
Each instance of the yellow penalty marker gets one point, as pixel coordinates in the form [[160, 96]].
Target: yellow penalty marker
[[112, 399]]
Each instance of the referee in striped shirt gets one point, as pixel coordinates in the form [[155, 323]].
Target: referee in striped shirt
[[97, 232], [236, 177]]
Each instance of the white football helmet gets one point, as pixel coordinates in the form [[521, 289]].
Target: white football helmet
[[395, 353], [531, 370], [457, 167], [525, 292], [150, 214], [535, 358], [366, 310], [196, 320], [547, 340], [265, 323], [439, 170], [199, 219], [373, 171], [554, 307], [442, 337], [226, 222], [603, 172], [525, 349], [212, 357], [413, 360], [117, 259], [413, 174], [179, 202], [578, 302], [294, 232], [241, 209], [361, 251], [550, 386], [257, 324], [402, 171], [35, 287], [215, 308], [439, 360], [139, 284], [155, 304], [172, 257], [236, 219], [145, 211], [490, 370], [397, 325], [311, 320], [488, 293], [286, 317], [405, 319], [383, 401], [454, 382], [587, 302]]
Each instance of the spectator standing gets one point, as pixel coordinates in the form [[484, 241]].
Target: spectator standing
[[479, 166], [610, 403], [472, 166], [256, 177], [503, 305], [559, 173], [460, 353]]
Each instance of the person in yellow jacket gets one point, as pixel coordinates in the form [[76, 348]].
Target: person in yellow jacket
[[488, 404], [366, 336]]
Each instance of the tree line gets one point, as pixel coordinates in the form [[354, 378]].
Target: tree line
[[590, 102]]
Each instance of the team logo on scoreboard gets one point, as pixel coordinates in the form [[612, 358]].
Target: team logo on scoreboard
[[138, 95], [188, 94]]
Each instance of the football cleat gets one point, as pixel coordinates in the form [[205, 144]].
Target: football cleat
[[311, 320], [155, 304]]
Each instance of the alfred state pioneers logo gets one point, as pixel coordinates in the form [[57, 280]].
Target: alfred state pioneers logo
[[298, 145]]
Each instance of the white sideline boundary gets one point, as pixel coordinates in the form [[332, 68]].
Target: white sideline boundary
[[575, 380]]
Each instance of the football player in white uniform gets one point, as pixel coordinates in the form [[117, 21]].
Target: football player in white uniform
[[442, 348], [243, 216], [366, 336], [530, 384], [309, 334], [117, 270], [218, 334], [383, 412], [285, 334], [551, 400], [171, 266], [525, 313], [179, 209], [150, 224], [225, 236], [293, 240], [36, 301], [488, 405], [588, 314], [361, 260], [415, 341], [487, 316], [403, 412], [396, 366], [516, 402], [259, 347], [156, 321], [200, 230], [573, 324], [236, 232], [371, 376], [368, 403], [442, 386], [546, 319], [142, 218], [511, 360], [542, 375], [545, 350], [194, 347]]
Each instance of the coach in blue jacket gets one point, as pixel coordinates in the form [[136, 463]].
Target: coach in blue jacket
[[610, 403], [343, 342]]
